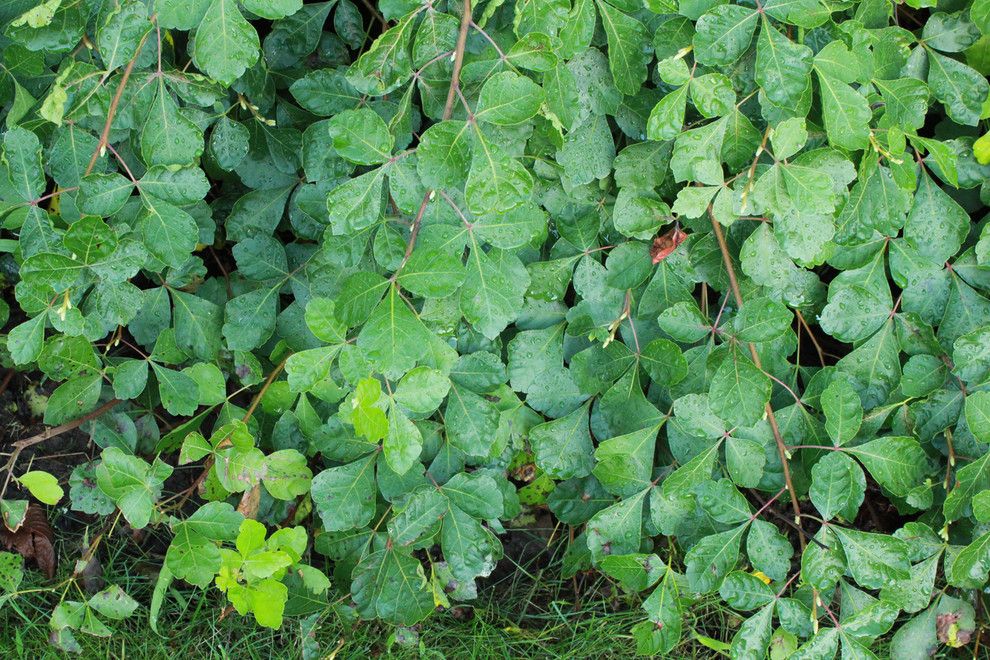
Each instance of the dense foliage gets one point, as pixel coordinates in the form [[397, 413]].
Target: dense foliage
[[708, 280]]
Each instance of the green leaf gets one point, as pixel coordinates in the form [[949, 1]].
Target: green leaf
[[273, 9], [361, 136], [508, 98], [711, 559], [390, 585], [838, 486], [496, 183], [898, 463], [21, 162], [493, 289], [469, 548], [42, 485], [168, 232], [662, 632], [344, 496], [684, 322], [628, 55], [185, 185], [854, 313], [393, 336], [387, 64], [762, 319], [104, 194], [287, 476], [422, 510], [563, 447], [403, 444], [843, 411], [623, 463], [178, 391], [475, 493], [226, 44], [744, 591], [873, 559], [73, 399], [724, 34], [958, 87], [229, 143], [936, 225], [768, 550], [536, 368], [753, 637], [113, 603], [664, 362], [588, 152], [667, 117], [365, 414], [121, 33], [782, 67], [739, 391], [444, 154], [132, 484], [846, 112], [978, 415], [617, 530], [168, 136]]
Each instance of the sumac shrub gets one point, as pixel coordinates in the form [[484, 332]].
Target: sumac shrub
[[715, 274]]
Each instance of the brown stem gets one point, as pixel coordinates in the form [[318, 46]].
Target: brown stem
[[47, 434], [370, 6], [455, 76], [767, 504], [752, 169], [105, 136], [6, 380], [414, 233], [781, 449], [264, 388], [208, 463], [814, 340], [448, 110]]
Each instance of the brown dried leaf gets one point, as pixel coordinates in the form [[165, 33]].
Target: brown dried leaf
[[33, 540], [664, 245]]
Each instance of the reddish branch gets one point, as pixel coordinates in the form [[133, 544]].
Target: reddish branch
[[781, 448], [448, 110], [105, 136], [47, 434]]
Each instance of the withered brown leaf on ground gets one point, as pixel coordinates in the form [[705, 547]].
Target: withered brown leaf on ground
[[33, 540], [665, 244]]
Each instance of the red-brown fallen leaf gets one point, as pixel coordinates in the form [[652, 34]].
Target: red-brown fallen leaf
[[33, 539], [664, 245], [948, 631]]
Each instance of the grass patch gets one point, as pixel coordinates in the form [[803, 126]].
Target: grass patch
[[529, 612]]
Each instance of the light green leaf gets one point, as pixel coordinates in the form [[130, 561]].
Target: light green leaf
[[226, 44], [42, 485], [344, 496]]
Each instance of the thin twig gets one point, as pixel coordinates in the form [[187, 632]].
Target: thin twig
[[781, 449], [105, 135], [6, 380], [455, 76], [48, 434], [370, 6], [208, 463], [448, 110], [814, 340]]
